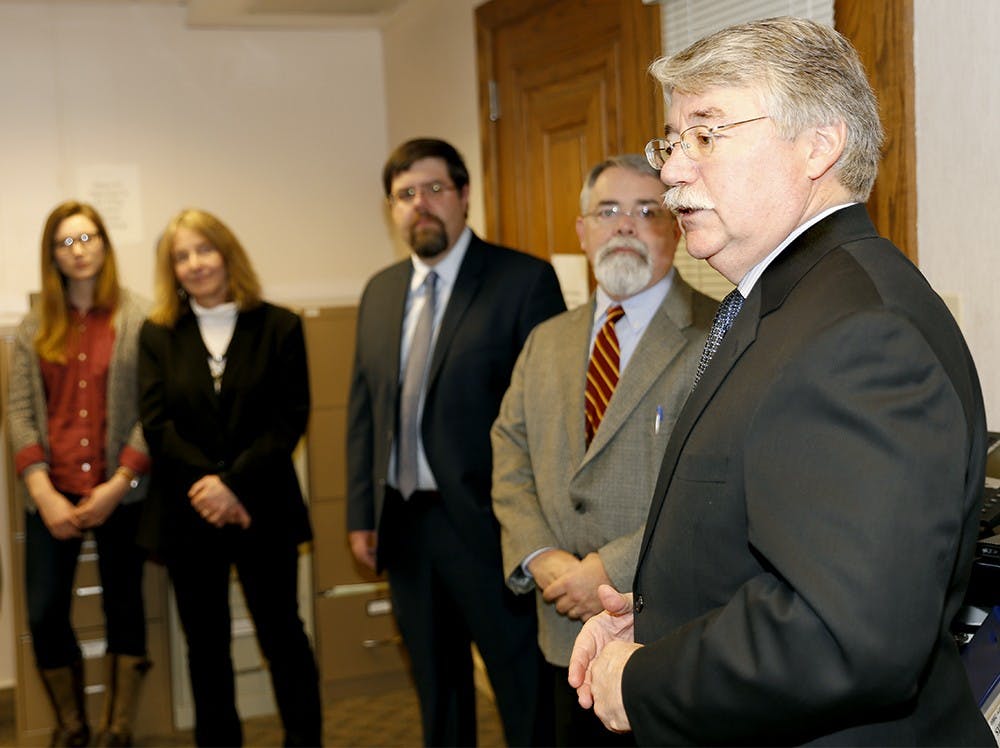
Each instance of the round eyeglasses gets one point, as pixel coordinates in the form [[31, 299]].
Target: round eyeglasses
[[84, 240], [612, 213], [697, 143]]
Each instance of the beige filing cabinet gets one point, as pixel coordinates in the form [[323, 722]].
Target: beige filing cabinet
[[357, 642], [34, 718]]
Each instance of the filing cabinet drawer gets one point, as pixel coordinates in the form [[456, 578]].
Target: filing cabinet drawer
[[329, 334], [333, 562], [358, 636], [327, 450]]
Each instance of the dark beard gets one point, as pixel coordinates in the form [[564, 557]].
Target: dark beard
[[427, 242]]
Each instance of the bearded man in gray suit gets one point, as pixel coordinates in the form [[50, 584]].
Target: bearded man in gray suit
[[569, 494]]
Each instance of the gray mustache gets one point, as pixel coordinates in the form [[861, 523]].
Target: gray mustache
[[621, 242], [677, 199]]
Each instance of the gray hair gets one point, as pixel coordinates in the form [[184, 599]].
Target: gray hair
[[631, 161], [808, 74]]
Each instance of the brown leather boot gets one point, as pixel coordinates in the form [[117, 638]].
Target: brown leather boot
[[123, 676], [64, 685]]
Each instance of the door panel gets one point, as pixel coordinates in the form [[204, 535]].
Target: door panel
[[569, 88]]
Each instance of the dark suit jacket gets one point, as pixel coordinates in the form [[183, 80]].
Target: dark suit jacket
[[245, 434], [811, 533], [498, 297]]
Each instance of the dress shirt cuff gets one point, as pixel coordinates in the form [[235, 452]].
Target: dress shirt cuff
[[521, 579]]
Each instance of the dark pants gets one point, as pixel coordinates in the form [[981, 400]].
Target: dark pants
[[268, 573], [446, 596], [575, 726], [50, 566]]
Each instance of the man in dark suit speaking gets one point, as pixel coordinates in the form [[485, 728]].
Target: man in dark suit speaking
[[437, 338], [812, 529]]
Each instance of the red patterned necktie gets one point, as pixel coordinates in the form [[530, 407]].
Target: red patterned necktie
[[602, 373]]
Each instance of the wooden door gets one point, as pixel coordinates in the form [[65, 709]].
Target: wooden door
[[562, 86]]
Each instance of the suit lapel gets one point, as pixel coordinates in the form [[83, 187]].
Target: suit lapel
[[737, 340], [845, 225], [659, 345], [574, 388], [467, 284], [395, 311], [195, 355]]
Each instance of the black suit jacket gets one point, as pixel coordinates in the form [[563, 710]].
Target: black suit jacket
[[498, 297], [812, 530], [245, 434]]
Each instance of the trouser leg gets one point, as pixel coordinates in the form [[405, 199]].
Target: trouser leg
[[201, 587], [269, 577], [502, 625], [433, 630], [121, 561], [50, 565]]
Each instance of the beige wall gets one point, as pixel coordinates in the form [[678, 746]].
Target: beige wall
[[431, 82], [281, 133], [958, 193]]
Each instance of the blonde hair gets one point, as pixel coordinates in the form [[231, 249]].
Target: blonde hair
[[170, 299], [52, 308]]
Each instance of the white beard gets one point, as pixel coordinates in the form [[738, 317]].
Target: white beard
[[623, 274]]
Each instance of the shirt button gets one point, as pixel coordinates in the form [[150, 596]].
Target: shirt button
[[85, 467], [81, 357], [85, 442], [638, 604], [83, 413], [83, 384]]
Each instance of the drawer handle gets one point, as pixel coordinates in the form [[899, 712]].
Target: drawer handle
[[89, 591], [389, 641]]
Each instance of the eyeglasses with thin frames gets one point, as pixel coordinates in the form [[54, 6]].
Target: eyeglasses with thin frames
[[697, 142], [432, 190], [83, 240], [612, 213]]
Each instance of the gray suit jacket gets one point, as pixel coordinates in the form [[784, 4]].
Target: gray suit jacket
[[548, 489]]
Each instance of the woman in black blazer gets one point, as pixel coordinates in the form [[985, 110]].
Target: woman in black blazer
[[224, 398]]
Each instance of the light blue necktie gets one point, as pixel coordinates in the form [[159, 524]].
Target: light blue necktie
[[413, 386], [724, 317]]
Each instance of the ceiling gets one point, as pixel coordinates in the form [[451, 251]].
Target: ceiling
[[272, 13]]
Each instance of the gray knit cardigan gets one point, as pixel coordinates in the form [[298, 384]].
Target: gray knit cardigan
[[27, 415]]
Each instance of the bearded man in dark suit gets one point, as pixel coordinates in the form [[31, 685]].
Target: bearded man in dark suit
[[437, 338], [811, 533]]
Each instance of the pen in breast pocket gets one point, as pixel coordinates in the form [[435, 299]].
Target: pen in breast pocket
[[658, 421]]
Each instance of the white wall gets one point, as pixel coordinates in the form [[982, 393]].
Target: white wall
[[957, 65], [432, 84], [281, 133]]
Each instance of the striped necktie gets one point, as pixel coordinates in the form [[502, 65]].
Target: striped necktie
[[724, 317], [413, 387], [602, 372]]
